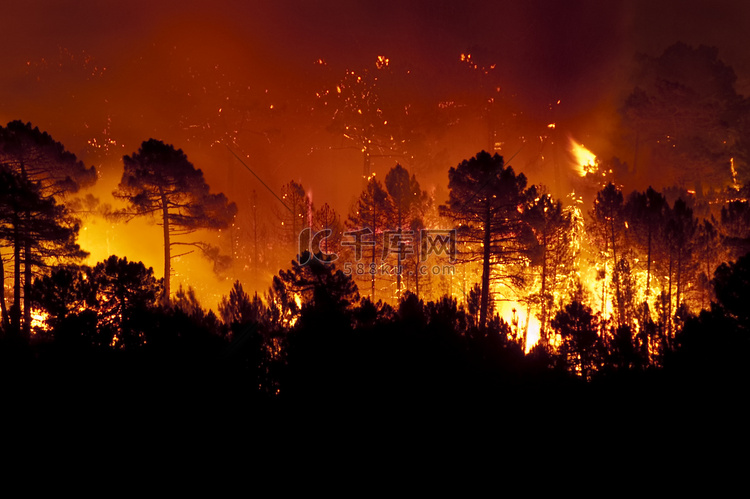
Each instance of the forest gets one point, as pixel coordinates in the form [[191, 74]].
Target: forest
[[397, 303], [291, 233]]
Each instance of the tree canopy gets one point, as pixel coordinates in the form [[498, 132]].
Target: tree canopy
[[686, 111], [38, 173], [159, 180], [485, 202]]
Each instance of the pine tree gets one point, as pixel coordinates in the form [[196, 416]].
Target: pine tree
[[607, 229], [239, 307], [326, 219], [43, 166], [369, 218], [408, 204], [552, 227], [486, 202], [159, 180], [38, 229]]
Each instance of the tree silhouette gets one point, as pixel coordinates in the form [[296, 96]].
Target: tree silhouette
[[735, 222], [124, 290], [38, 229], [680, 267], [159, 180], [318, 284], [486, 201], [713, 347], [239, 307], [293, 216], [117, 293], [607, 229], [646, 215], [325, 218], [66, 291], [186, 301], [686, 110], [408, 204], [37, 157], [369, 217], [44, 166], [578, 327], [553, 255], [731, 286]]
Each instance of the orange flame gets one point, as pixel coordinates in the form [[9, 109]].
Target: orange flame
[[584, 160]]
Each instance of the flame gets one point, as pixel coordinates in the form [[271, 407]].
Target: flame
[[735, 184], [585, 161], [523, 321], [533, 333], [39, 320]]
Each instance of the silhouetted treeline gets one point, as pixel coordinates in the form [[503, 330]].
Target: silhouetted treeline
[[330, 349], [636, 296]]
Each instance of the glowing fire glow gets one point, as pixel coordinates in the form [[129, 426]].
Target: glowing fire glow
[[524, 324], [39, 320], [584, 160]]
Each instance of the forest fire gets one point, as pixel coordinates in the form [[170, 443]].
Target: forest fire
[[39, 321], [584, 161], [167, 224]]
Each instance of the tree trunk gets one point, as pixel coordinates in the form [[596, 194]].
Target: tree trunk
[[648, 266], [27, 289], [615, 273], [167, 248], [543, 295], [669, 305], [484, 304], [416, 276], [679, 279], [372, 261], [4, 319], [399, 259], [15, 310]]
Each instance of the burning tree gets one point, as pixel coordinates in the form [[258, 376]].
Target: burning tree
[[108, 305], [554, 253], [160, 180], [486, 201], [607, 224]]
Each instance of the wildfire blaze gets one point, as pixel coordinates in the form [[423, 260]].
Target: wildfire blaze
[[584, 161], [270, 106]]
